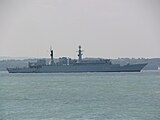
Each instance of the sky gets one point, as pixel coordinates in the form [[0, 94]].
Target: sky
[[104, 28]]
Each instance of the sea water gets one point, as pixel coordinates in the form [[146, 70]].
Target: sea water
[[80, 96]]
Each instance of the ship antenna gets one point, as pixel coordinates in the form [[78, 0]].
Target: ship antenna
[[52, 60], [80, 54]]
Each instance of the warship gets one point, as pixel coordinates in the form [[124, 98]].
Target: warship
[[68, 65]]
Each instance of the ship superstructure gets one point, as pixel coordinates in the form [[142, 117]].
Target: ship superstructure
[[68, 65]]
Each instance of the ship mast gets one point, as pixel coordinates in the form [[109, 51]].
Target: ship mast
[[52, 60], [80, 54]]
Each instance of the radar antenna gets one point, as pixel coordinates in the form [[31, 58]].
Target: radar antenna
[[80, 54], [51, 54]]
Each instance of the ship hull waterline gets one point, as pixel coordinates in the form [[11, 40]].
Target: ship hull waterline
[[80, 68]]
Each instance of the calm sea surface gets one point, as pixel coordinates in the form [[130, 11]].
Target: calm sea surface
[[80, 96]]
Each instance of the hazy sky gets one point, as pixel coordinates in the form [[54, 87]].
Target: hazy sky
[[104, 28]]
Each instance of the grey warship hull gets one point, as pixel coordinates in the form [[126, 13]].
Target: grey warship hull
[[80, 68], [66, 65]]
